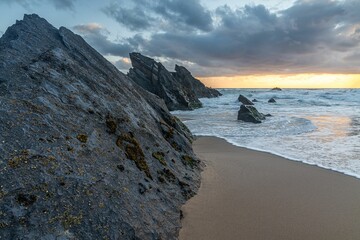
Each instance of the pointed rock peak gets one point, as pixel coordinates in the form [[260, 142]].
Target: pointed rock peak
[[244, 100], [138, 59], [180, 90], [250, 114], [32, 17], [35, 21], [182, 70], [31, 26]]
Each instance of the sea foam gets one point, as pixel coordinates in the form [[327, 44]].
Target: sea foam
[[318, 127]]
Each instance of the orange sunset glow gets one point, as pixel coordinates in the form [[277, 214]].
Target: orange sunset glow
[[285, 81]]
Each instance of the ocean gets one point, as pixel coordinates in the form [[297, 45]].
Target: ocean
[[315, 126]]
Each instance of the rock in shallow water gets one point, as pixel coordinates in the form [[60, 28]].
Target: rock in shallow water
[[250, 114], [272, 100], [244, 100]]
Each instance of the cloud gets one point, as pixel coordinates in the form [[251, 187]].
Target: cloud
[[310, 36], [133, 18], [123, 64], [188, 13], [30, 4], [161, 14], [64, 4], [96, 35]]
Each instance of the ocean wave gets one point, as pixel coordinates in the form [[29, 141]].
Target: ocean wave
[[319, 127], [316, 103]]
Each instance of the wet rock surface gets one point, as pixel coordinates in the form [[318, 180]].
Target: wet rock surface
[[85, 153], [180, 90], [250, 114], [244, 100], [272, 100]]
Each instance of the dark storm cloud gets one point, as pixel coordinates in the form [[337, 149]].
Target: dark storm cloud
[[161, 14], [63, 4], [310, 36], [30, 4], [96, 36], [134, 18], [189, 13]]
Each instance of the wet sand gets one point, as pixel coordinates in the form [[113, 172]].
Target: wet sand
[[252, 195]]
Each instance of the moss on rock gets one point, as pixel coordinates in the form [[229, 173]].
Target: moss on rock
[[20, 159], [133, 151], [166, 174], [188, 160], [160, 156], [111, 125], [82, 138]]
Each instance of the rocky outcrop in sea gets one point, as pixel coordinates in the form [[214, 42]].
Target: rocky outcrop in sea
[[180, 90], [272, 100], [249, 113], [244, 100], [85, 153], [276, 89]]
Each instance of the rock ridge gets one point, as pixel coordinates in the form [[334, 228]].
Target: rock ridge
[[180, 90], [85, 153]]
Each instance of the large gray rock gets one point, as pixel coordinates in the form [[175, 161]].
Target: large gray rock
[[85, 153], [179, 90], [186, 79], [250, 114], [244, 100]]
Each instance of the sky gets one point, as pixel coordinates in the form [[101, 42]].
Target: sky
[[259, 43]]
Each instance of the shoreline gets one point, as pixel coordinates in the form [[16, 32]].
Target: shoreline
[[259, 195], [349, 174]]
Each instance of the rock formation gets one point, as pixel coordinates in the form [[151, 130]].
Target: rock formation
[[186, 79], [250, 114], [272, 100], [85, 153], [255, 100], [179, 90], [276, 89], [244, 100]]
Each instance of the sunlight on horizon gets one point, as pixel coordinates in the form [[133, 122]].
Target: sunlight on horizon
[[308, 80]]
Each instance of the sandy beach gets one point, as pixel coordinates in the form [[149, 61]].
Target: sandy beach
[[252, 195]]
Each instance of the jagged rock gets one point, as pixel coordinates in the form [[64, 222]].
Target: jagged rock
[[272, 100], [186, 79], [76, 144], [268, 115], [244, 100], [249, 113], [276, 89], [179, 90], [255, 100]]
